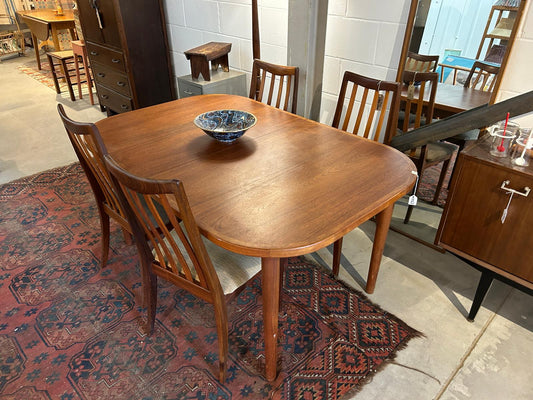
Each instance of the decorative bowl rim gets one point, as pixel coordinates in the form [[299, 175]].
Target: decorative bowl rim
[[218, 130]]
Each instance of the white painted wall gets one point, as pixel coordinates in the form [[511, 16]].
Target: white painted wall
[[364, 37], [191, 23]]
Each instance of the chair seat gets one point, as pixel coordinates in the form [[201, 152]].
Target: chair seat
[[436, 151]]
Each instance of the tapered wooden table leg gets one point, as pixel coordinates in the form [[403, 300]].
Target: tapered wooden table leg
[[271, 287], [382, 228]]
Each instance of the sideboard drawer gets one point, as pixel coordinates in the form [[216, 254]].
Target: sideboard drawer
[[114, 80], [113, 100], [106, 56]]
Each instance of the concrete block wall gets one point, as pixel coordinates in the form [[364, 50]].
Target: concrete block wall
[[191, 23], [364, 37]]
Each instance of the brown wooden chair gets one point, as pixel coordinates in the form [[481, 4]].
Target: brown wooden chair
[[421, 63], [79, 51], [482, 76], [89, 148], [180, 258], [365, 116], [281, 81], [418, 105]]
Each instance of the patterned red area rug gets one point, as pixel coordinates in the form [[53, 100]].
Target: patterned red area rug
[[70, 330]]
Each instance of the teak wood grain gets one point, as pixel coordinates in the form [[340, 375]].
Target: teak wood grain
[[453, 99], [288, 187]]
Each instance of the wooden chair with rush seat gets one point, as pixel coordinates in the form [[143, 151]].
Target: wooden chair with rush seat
[[373, 115]]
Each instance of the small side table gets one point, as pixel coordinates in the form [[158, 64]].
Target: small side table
[[231, 82]]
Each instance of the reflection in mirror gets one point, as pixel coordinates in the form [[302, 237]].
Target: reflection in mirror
[[459, 33]]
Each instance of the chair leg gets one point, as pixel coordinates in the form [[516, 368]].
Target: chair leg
[[67, 78], [54, 73], [88, 78], [104, 224], [78, 78], [149, 285], [221, 317], [442, 176], [337, 252]]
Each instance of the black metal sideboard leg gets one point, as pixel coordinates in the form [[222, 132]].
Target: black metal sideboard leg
[[482, 288]]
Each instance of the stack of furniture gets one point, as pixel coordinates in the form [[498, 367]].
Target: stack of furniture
[[128, 52]]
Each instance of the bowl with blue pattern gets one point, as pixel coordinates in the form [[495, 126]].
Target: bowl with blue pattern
[[225, 125]]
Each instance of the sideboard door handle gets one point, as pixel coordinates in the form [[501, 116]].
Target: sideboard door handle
[[518, 192]]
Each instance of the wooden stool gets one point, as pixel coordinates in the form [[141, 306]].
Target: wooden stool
[[200, 56], [80, 50], [62, 57]]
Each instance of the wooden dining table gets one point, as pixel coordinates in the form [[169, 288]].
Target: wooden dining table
[[288, 187], [45, 23], [453, 99]]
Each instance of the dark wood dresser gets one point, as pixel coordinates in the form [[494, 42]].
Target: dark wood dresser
[[472, 228], [128, 52]]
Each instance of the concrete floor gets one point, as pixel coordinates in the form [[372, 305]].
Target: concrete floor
[[456, 359]]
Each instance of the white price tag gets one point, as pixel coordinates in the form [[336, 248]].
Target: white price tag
[[412, 200]]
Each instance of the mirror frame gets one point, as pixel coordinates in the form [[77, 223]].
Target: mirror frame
[[409, 32]]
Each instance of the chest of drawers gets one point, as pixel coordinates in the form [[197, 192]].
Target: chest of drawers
[[127, 47]]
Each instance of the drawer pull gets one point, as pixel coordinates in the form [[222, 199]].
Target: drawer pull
[[122, 84], [100, 74], [115, 60], [105, 96], [509, 190], [94, 53], [124, 106], [187, 92]]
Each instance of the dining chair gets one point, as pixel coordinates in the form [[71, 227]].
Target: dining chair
[[89, 148], [276, 82], [419, 105], [421, 62], [363, 106], [180, 257], [482, 76], [79, 51]]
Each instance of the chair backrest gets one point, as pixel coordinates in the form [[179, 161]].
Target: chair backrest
[[482, 76], [421, 63], [90, 149], [420, 99], [368, 102], [153, 208], [277, 82]]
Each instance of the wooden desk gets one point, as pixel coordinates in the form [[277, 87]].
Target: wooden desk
[[453, 99], [288, 187], [45, 21]]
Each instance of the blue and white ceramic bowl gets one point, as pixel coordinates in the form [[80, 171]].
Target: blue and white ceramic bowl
[[225, 125]]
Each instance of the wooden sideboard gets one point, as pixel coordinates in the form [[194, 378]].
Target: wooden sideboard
[[471, 225], [128, 52]]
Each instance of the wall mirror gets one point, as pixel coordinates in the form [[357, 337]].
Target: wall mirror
[[459, 32]]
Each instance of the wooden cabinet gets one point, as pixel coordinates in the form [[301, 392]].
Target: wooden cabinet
[[127, 47], [472, 225]]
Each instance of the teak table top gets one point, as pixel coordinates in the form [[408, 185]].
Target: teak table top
[[288, 187], [453, 99]]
